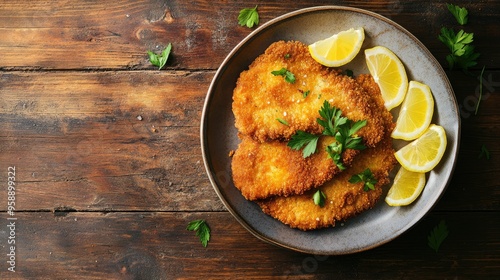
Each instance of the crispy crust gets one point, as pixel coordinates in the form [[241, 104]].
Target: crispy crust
[[260, 97], [344, 199], [261, 170], [278, 178]]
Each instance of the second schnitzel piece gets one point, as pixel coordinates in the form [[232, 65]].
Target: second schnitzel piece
[[343, 199], [261, 170], [286, 83]]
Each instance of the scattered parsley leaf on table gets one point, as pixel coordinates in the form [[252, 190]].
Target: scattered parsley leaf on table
[[484, 152], [202, 230], [319, 198], [160, 60], [248, 17], [437, 236], [462, 52], [459, 13]]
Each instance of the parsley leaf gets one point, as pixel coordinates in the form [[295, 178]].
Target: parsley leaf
[[462, 52], [343, 129], [459, 13], [484, 152], [202, 230], [160, 60], [248, 17], [301, 138], [289, 76], [437, 236], [282, 121], [332, 119], [319, 198], [367, 177]]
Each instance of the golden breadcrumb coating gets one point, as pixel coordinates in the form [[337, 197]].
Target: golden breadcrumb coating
[[261, 170], [260, 98], [343, 199]]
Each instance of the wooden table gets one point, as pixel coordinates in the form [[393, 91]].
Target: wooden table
[[108, 165]]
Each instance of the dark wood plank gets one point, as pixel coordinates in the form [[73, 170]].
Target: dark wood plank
[[79, 144], [117, 34], [157, 246], [115, 141]]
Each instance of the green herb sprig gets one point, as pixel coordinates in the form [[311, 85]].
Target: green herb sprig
[[484, 153], [248, 17], [289, 76], [301, 139], [459, 13], [367, 177], [160, 60], [343, 129], [202, 230], [462, 52], [319, 198], [437, 236]]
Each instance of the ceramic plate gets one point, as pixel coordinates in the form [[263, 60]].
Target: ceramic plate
[[219, 136]]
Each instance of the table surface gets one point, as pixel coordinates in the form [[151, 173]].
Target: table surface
[[107, 157]]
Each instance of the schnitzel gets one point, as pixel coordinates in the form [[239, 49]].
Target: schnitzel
[[261, 98], [280, 94], [261, 170], [343, 199]]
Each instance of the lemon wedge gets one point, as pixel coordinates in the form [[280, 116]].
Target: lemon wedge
[[406, 187], [424, 153], [416, 112], [389, 73], [338, 49]]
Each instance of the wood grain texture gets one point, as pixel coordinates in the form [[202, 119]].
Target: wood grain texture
[[109, 169], [117, 34], [130, 140], [158, 246], [106, 140]]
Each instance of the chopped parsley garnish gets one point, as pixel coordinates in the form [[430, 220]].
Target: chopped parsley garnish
[[343, 129], [437, 236], [459, 13], [287, 56], [248, 17], [282, 121], [289, 76], [349, 73], [306, 93], [319, 198], [202, 230], [160, 60], [301, 139], [367, 177]]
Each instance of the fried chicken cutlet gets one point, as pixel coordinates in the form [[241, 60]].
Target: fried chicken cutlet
[[261, 98], [343, 199], [261, 170]]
